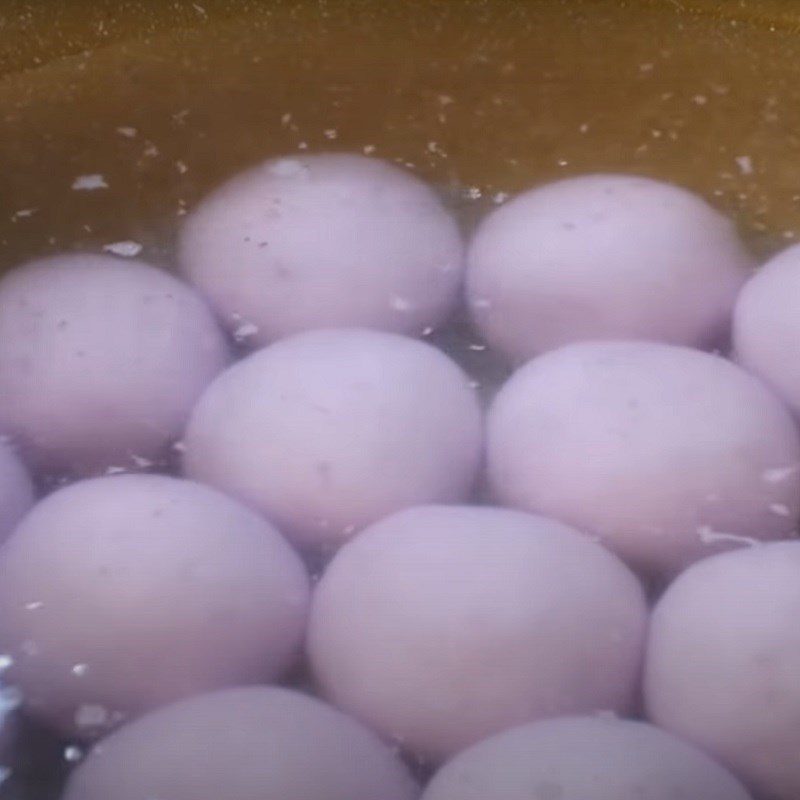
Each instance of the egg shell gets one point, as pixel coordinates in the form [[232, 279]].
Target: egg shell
[[328, 431], [599, 257], [328, 240], [441, 625], [576, 758], [666, 453], [122, 593], [766, 325], [242, 744], [722, 663], [101, 360]]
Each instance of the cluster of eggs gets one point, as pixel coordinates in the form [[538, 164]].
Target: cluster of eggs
[[149, 612]]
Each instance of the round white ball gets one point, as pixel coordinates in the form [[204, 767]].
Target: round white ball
[[441, 625], [576, 758], [324, 241], [723, 659], [603, 256], [16, 490], [328, 431], [101, 360], [242, 744], [664, 452], [766, 325], [119, 594]]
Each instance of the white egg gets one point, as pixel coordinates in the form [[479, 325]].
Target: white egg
[[603, 256], [327, 240]]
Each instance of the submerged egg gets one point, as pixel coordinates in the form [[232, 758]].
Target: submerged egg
[[603, 256], [766, 325], [723, 659], [583, 758], [666, 453], [328, 431], [122, 593], [324, 241], [242, 744], [441, 625], [101, 360]]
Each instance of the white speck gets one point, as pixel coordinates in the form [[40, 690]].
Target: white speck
[[445, 100], [287, 168], [79, 670], [23, 213], [114, 470], [584, 128], [127, 131], [473, 384], [179, 447], [89, 183], [6, 661], [427, 331], [478, 348], [182, 167], [245, 331], [400, 303], [745, 164], [72, 753], [141, 462], [500, 197], [29, 648], [151, 150], [435, 147], [562, 162], [699, 99], [473, 192], [779, 474], [35, 605], [780, 509], [90, 716], [180, 116], [199, 9], [286, 119], [481, 302], [788, 234], [369, 149], [331, 133], [656, 134], [349, 530], [720, 89], [709, 536], [648, 67], [10, 699], [126, 248]]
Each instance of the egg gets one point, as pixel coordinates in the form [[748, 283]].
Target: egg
[[327, 431], [101, 360], [599, 257], [242, 744], [576, 758], [766, 325], [328, 240], [16, 490], [722, 663], [119, 594], [666, 453], [441, 625]]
